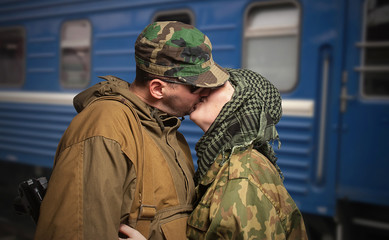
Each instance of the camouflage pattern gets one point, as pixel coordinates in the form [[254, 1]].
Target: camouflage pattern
[[245, 200], [175, 49]]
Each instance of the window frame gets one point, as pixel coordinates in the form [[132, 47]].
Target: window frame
[[24, 60], [285, 32], [364, 68], [88, 81], [190, 14]]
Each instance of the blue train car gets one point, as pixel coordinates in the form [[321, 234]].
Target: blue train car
[[329, 59]]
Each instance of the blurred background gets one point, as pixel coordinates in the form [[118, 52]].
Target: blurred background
[[328, 58]]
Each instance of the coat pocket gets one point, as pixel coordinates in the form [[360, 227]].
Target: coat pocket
[[175, 229], [199, 219]]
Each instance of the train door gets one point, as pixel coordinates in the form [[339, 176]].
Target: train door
[[364, 139]]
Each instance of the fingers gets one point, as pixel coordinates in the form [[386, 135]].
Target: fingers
[[125, 230], [130, 232]]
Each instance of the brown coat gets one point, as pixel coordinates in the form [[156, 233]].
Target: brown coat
[[95, 182]]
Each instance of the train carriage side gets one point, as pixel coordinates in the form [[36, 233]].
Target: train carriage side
[[298, 46], [329, 58]]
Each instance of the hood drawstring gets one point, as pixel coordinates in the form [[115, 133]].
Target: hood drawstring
[[157, 118]]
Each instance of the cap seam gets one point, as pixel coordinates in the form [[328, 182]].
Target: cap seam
[[208, 64]]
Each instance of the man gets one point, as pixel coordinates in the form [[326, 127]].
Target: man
[[121, 160]]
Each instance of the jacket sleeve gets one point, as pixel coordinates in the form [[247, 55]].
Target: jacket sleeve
[[85, 192], [241, 212]]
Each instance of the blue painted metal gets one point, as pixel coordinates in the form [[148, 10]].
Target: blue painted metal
[[365, 129], [30, 133]]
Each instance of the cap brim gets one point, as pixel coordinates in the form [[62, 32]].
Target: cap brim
[[215, 77]]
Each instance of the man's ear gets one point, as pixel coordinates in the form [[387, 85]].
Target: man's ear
[[156, 88]]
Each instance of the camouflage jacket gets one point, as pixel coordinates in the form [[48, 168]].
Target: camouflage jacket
[[244, 199]]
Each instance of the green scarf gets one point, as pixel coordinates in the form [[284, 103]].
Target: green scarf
[[249, 118]]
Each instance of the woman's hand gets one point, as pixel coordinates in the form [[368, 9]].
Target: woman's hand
[[130, 232]]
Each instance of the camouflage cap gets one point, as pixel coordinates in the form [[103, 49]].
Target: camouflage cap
[[175, 49]]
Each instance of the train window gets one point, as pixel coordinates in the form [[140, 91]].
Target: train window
[[12, 56], [271, 41], [75, 54], [185, 16], [375, 50]]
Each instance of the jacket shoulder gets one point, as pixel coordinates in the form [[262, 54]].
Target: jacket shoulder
[[249, 162], [107, 118], [260, 172]]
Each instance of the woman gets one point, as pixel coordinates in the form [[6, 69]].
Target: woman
[[239, 185], [240, 194]]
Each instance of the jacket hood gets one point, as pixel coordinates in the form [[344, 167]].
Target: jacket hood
[[114, 86]]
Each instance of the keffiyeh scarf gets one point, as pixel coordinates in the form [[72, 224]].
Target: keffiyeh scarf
[[249, 118]]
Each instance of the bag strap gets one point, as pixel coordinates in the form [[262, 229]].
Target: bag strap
[[145, 177]]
